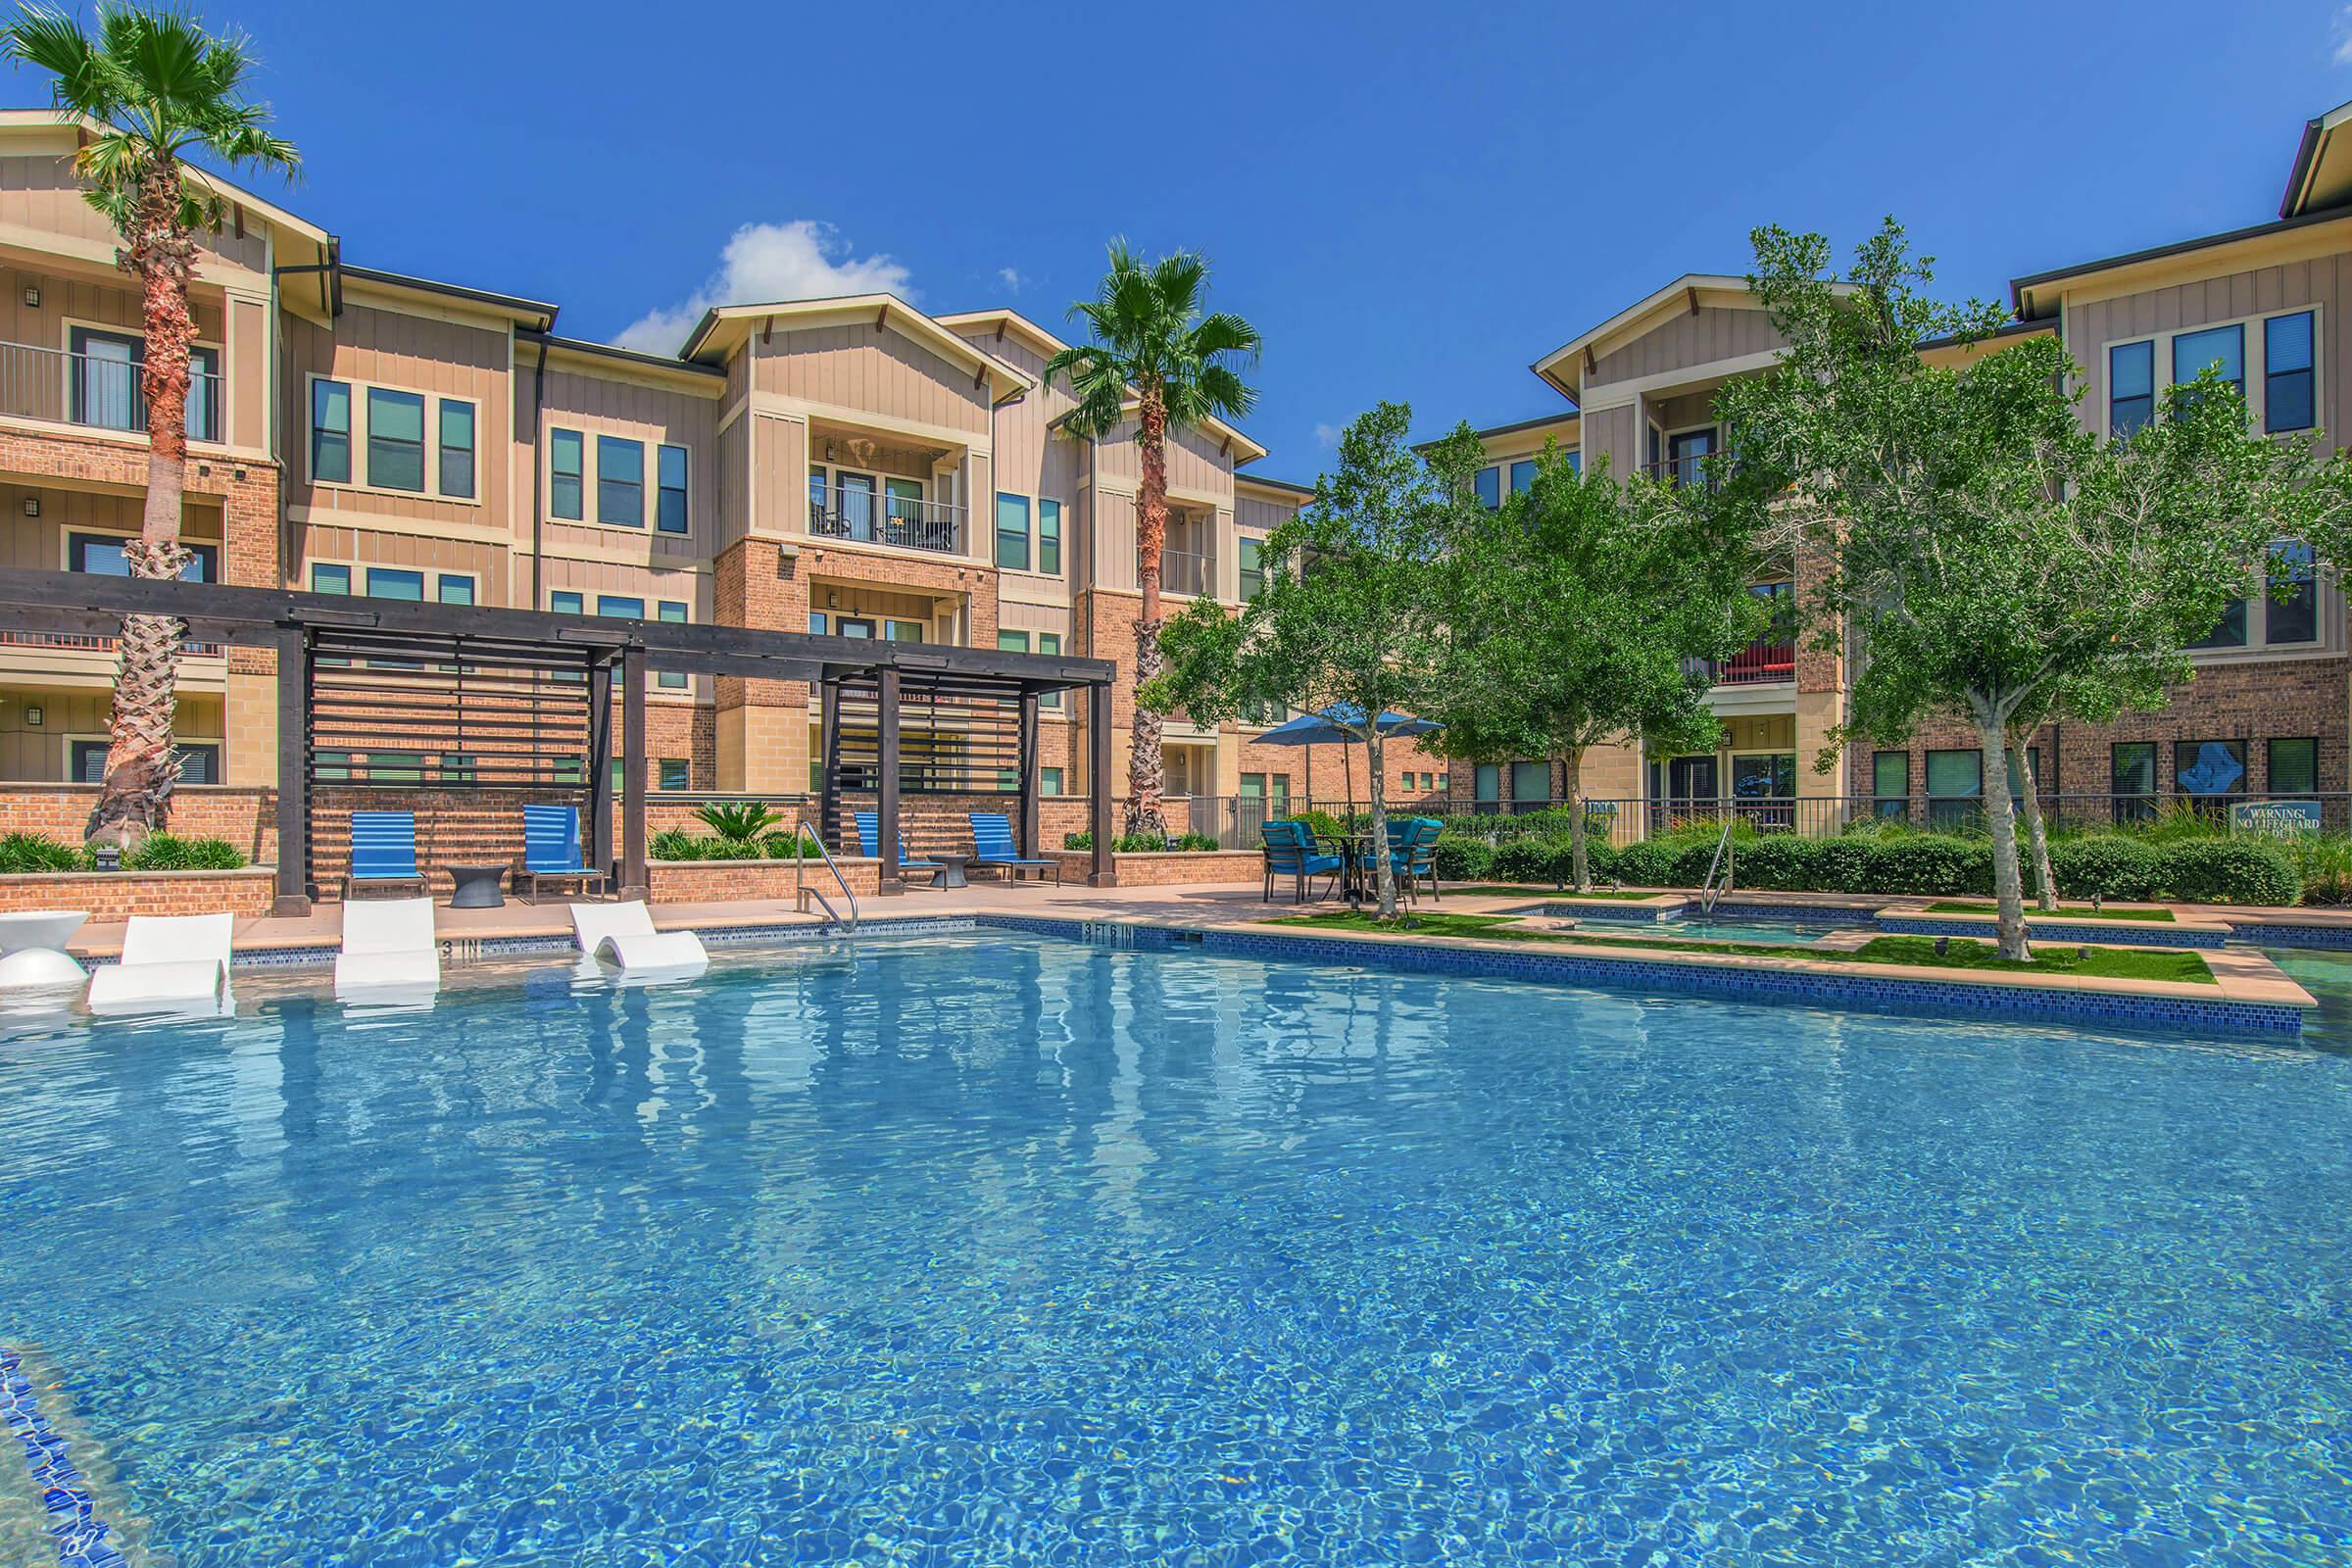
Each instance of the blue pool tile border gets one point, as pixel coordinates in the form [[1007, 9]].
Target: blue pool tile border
[[74, 1522], [2114, 933], [2335, 938], [1876, 993]]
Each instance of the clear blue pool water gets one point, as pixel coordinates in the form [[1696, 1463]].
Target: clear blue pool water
[[994, 1249]]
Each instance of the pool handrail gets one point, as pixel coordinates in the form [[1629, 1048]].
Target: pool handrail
[[803, 893]]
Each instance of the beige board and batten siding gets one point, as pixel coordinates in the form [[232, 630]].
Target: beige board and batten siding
[[1685, 340], [2316, 281], [39, 544], [863, 369], [40, 198], [653, 416], [1612, 436]]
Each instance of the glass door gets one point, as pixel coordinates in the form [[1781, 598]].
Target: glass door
[[855, 493]]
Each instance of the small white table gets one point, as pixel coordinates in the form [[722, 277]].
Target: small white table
[[34, 947]]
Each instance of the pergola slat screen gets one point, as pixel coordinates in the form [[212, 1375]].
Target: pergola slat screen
[[954, 739]]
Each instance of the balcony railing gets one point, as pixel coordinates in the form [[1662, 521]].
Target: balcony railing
[[1187, 572], [39, 383], [87, 642], [1700, 468], [908, 522]]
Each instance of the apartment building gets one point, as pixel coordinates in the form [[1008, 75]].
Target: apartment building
[[2268, 709], [852, 467]]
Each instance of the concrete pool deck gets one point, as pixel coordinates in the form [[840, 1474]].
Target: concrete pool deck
[[2249, 990]]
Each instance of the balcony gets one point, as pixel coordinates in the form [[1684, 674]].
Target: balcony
[[95, 390], [906, 523], [1187, 573], [1698, 468], [86, 643], [1762, 662]]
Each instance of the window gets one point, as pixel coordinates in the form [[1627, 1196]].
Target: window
[[2288, 387], [455, 588], [1048, 538], [619, 482], [673, 613], [331, 433], [1955, 782], [2132, 779], [395, 767], [106, 379], [567, 474], [2222, 347], [1489, 485], [1770, 777], [457, 767], [670, 775], [2230, 632], [390, 582], [621, 774], [326, 580], [395, 440], [1013, 532], [2295, 617], [1576, 463], [1523, 476], [670, 503], [903, 631], [1049, 643], [102, 555], [199, 762], [817, 623], [1278, 795], [1254, 575], [1531, 783], [2294, 767], [2206, 768], [2131, 386], [903, 509], [565, 603], [1891, 783], [619, 606], [457, 448], [2017, 790], [1049, 780], [204, 393], [1486, 785], [1012, 642]]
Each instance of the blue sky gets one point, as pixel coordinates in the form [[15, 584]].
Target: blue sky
[[1409, 202]]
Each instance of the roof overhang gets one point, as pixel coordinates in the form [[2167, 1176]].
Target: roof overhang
[[725, 327], [1688, 293], [2037, 295], [1007, 322], [1282, 489], [2322, 174], [604, 359], [1235, 445], [532, 314]]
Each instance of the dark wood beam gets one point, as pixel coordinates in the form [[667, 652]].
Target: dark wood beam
[[634, 883], [885, 787], [294, 891], [1105, 873], [600, 772], [1027, 826]]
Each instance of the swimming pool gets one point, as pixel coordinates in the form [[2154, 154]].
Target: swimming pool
[[991, 1249]]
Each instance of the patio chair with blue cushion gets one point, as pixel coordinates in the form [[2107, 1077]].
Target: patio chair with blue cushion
[[550, 852], [383, 851], [1291, 851], [992, 845], [869, 833], [1413, 851]]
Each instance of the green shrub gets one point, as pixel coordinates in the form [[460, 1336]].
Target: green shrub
[[165, 852], [1195, 842], [1650, 864], [1083, 839], [738, 821], [1525, 860], [671, 844], [1780, 862], [2106, 866], [785, 847], [1461, 857], [2180, 820], [35, 852], [2323, 863], [1320, 822], [1934, 862], [2228, 871], [1851, 862]]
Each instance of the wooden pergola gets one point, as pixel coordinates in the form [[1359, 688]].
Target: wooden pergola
[[346, 662]]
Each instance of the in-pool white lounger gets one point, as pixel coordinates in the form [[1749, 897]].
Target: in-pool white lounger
[[388, 946], [624, 933], [169, 962]]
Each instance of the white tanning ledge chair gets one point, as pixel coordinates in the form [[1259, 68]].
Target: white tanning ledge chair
[[625, 934], [171, 963], [389, 947]]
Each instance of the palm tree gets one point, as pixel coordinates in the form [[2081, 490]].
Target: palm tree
[[158, 87], [1153, 349]]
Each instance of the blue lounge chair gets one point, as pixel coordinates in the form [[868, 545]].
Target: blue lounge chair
[[869, 834], [551, 851], [1414, 853], [1291, 851], [383, 850], [992, 845]]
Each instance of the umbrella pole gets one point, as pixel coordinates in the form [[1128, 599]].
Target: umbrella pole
[[1311, 778]]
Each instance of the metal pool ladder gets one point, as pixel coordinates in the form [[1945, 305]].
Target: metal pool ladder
[[1709, 895], [803, 893]]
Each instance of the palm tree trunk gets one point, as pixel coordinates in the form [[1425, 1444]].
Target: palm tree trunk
[[1144, 761], [136, 797]]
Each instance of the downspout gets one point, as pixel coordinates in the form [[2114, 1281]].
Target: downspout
[[538, 474]]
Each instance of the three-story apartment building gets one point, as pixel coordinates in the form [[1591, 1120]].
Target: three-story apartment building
[[852, 467], [2268, 711]]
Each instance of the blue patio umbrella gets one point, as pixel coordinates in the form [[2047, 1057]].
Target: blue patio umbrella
[[1339, 724]]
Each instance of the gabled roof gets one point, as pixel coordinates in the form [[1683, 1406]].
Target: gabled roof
[[2322, 173], [2035, 296], [725, 326], [1681, 294], [1258, 481], [535, 314], [606, 355]]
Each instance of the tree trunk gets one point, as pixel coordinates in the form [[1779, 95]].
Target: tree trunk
[[2008, 890], [1387, 877], [136, 797], [1579, 857], [2036, 836], [1144, 760]]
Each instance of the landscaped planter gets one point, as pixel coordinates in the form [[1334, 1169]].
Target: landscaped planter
[[1170, 868], [734, 881], [118, 895]]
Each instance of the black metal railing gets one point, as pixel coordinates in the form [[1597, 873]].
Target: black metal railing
[[870, 517], [96, 390]]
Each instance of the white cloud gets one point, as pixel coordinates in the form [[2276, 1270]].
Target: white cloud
[[802, 260], [1328, 436], [1011, 278], [2341, 31]]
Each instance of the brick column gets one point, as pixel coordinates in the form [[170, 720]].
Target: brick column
[[249, 559], [762, 740]]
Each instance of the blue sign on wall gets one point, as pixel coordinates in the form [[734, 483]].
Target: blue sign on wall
[[2274, 820]]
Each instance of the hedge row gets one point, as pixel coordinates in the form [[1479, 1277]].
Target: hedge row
[[2196, 870], [163, 851]]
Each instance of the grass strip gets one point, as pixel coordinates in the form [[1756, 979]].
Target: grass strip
[[2066, 911], [1550, 895], [2108, 963]]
